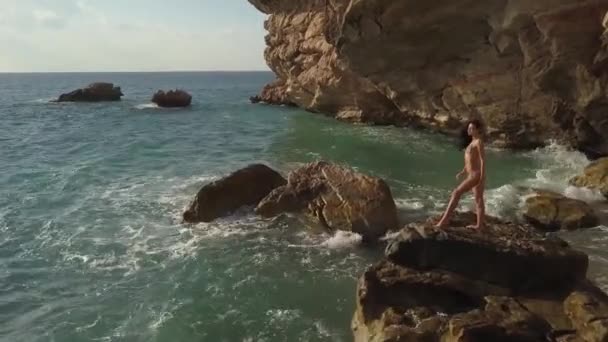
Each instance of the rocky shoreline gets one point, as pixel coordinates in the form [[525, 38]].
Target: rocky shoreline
[[532, 70], [509, 282]]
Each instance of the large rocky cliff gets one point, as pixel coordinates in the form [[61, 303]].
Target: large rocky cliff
[[533, 70]]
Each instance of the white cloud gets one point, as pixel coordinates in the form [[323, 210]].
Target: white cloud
[[85, 38], [48, 18]]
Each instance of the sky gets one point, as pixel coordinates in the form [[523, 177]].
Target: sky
[[130, 35]]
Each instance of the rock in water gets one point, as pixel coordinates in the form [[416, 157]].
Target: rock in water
[[172, 98], [337, 197], [94, 92], [533, 70], [245, 187], [550, 211], [594, 177], [507, 283], [255, 99]]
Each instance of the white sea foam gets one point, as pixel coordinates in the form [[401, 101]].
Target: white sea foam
[[162, 318], [343, 239], [132, 236], [339, 240], [409, 203], [147, 106], [282, 316], [584, 194], [504, 201], [88, 326], [557, 164], [44, 100]]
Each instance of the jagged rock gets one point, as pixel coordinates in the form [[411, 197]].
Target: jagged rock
[[274, 93], [94, 92], [506, 283], [172, 98], [337, 197], [550, 211], [255, 99], [595, 177], [532, 70], [245, 187]]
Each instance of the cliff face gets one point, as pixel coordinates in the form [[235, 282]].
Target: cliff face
[[532, 70]]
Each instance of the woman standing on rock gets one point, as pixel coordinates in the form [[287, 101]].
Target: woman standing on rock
[[474, 169]]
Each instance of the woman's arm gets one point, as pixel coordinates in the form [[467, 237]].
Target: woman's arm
[[482, 159]]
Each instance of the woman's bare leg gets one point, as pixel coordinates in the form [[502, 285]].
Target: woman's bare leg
[[463, 188], [480, 204]]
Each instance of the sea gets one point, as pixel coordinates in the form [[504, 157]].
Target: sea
[[93, 248]]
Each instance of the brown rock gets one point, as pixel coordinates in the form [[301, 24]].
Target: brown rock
[[595, 176], [337, 197], [245, 187], [172, 98], [587, 310], [501, 246], [446, 286], [550, 211], [94, 92], [274, 93], [533, 70]]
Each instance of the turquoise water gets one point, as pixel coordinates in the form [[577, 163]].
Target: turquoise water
[[91, 243]]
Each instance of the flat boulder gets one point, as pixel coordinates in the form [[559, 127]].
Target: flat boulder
[[95, 92], [245, 187], [549, 211], [595, 176], [172, 98], [337, 197], [505, 283], [504, 253]]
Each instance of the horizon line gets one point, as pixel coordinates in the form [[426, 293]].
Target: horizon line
[[132, 72]]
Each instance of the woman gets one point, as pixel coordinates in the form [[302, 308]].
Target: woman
[[474, 169]]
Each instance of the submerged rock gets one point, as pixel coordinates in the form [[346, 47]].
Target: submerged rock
[[533, 70], [337, 197], [550, 211], [172, 98], [94, 92], [594, 177], [255, 99], [506, 283], [245, 187]]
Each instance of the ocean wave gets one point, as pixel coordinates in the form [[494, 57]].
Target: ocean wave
[[145, 225], [343, 239], [409, 203], [555, 166]]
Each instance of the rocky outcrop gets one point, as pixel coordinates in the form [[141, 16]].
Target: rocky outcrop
[[532, 70], [549, 211], [506, 283], [337, 197], [595, 176], [95, 92], [255, 99], [245, 187], [172, 98]]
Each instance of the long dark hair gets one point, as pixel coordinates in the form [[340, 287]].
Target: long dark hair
[[465, 138]]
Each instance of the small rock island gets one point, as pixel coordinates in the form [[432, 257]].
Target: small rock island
[[94, 92], [172, 98]]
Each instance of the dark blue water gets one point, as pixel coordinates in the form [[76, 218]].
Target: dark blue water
[[91, 242]]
